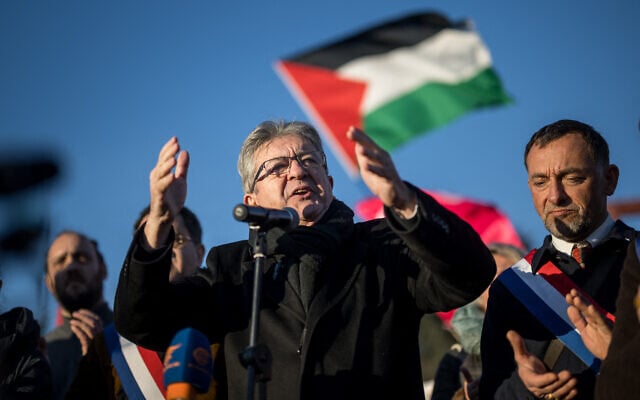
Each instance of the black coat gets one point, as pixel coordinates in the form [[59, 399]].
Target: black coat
[[618, 377], [347, 330], [24, 371], [65, 351]]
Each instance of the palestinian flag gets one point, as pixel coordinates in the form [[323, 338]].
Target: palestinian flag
[[395, 81]]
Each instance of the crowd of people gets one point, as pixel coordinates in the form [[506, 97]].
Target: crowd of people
[[341, 301]]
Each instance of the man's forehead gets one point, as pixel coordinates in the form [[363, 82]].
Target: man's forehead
[[569, 151], [69, 241], [283, 146]]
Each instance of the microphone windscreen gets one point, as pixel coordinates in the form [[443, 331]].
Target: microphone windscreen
[[295, 218], [188, 364]]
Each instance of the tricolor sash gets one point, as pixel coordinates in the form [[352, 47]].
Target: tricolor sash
[[139, 369], [543, 294]]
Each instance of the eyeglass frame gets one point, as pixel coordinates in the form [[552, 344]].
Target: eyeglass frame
[[295, 157]]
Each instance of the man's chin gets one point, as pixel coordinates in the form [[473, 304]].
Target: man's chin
[[73, 300], [565, 230]]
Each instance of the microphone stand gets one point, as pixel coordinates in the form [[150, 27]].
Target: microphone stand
[[257, 357]]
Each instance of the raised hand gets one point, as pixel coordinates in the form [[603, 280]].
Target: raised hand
[[379, 173], [168, 190], [534, 374], [85, 325], [591, 324]]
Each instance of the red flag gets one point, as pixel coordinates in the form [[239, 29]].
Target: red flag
[[491, 224]]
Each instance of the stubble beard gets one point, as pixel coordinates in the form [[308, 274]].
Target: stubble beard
[[572, 229]]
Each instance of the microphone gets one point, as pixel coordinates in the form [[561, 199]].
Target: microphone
[[188, 365], [267, 218]]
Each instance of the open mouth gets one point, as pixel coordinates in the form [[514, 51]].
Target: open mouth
[[301, 191]]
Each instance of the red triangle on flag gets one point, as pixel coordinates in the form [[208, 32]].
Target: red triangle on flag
[[334, 103]]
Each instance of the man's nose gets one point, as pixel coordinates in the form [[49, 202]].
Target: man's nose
[[72, 262], [557, 193], [296, 170]]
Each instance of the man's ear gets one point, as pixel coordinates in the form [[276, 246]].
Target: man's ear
[[249, 199], [200, 253], [330, 180], [102, 271], [49, 282], [611, 175]]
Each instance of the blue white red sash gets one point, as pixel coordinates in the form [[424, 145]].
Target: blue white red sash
[[139, 369], [543, 295]]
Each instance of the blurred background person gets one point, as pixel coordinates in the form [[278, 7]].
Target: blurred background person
[[75, 272], [24, 369], [463, 363]]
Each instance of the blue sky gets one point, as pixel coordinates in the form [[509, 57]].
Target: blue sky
[[102, 85]]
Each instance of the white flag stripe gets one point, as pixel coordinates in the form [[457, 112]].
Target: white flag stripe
[[449, 57], [552, 298], [140, 371]]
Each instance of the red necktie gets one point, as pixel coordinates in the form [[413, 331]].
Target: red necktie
[[580, 251]]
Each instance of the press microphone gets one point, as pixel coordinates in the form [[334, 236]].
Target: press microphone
[[188, 365], [267, 218]]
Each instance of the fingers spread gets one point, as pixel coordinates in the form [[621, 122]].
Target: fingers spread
[[576, 318]]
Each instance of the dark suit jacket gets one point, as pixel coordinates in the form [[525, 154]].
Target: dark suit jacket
[[618, 377], [600, 279], [354, 334]]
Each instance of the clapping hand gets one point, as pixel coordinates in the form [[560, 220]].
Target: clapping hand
[[536, 378], [591, 324], [168, 190], [86, 325]]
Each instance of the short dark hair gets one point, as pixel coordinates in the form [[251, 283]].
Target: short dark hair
[[190, 221], [83, 237], [598, 147]]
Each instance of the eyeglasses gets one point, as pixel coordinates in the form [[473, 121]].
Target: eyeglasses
[[180, 240], [282, 165]]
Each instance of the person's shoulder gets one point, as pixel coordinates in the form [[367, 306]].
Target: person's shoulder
[[18, 316], [620, 228], [227, 253], [18, 327], [232, 249]]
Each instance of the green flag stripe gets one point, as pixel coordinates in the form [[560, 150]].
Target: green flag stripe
[[430, 106]]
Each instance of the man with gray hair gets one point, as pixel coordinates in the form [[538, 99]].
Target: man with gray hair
[[341, 301]]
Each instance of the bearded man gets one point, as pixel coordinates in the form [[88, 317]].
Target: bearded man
[[75, 272]]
